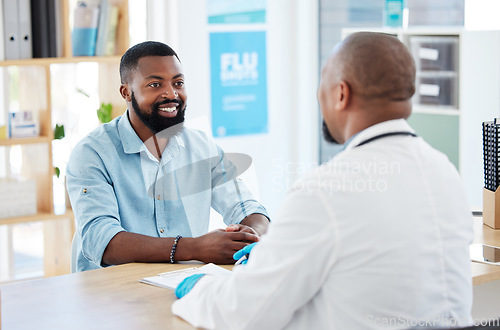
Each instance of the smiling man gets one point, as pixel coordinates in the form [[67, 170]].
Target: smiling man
[[141, 186]]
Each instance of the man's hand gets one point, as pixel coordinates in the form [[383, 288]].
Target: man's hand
[[256, 222], [218, 246], [241, 228]]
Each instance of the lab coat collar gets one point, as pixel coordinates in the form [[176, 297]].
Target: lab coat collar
[[396, 125]]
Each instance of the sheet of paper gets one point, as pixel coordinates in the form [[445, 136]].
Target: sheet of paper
[[428, 54], [428, 90], [170, 280]]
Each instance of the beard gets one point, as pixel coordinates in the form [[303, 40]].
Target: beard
[[157, 123], [326, 134]]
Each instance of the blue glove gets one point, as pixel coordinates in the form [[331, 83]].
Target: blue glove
[[244, 252], [187, 284]]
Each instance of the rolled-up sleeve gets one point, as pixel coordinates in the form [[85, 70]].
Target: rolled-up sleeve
[[230, 196], [93, 200]]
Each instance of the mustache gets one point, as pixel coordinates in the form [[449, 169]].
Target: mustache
[[169, 101]]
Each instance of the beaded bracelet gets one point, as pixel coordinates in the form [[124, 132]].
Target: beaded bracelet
[[174, 246]]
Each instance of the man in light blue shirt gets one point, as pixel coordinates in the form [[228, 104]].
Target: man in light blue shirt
[[141, 186]]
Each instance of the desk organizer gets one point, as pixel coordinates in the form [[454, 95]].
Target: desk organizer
[[491, 161], [491, 208]]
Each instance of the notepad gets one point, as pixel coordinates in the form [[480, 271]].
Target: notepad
[[170, 280]]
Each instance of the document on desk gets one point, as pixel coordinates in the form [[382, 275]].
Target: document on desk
[[170, 280]]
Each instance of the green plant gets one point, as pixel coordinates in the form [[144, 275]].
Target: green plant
[[58, 134], [104, 112]]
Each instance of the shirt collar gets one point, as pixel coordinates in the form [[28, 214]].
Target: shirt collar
[[132, 143], [346, 143], [396, 125]]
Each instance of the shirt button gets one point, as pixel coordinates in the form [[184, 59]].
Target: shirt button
[[161, 231], [158, 197], [84, 190]]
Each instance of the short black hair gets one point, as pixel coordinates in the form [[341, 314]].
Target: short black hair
[[131, 57]]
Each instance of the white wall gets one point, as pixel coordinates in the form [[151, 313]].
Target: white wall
[[482, 73], [291, 145], [482, 14]]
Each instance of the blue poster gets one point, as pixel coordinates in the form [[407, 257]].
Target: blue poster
[[236, 11], [239, 83]]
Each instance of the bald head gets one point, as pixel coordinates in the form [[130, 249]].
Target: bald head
[[369, 79], [376, 66]]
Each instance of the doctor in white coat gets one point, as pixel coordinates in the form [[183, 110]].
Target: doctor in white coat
[[376, 238]]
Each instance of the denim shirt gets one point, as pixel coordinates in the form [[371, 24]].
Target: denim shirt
[[115, 184]]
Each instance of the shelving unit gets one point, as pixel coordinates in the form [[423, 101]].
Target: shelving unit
[[58, 228], [455, 127]]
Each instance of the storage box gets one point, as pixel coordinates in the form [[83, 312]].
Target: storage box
[[435, 53], [17, 198], [491, 208], [491, 254], [24, 124], [440, 91]]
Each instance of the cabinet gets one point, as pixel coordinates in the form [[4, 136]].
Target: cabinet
[[457, 88], [37, 85]]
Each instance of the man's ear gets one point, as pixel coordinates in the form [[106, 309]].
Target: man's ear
[[125, 92], [343, 95]]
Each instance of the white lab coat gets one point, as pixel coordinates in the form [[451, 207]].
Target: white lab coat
[[376, 238]]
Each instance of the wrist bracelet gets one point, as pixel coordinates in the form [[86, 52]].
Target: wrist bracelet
[[174, 246]]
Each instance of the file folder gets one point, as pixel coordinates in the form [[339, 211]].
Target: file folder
[[11, 29], [102, 28], [58, 12], [24, 25]]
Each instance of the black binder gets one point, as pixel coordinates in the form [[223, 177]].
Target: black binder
[[40, 28]]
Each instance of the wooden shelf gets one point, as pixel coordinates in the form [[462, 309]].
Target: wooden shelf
[[36, 217], [18, 141], [38, 165], [60, 60]]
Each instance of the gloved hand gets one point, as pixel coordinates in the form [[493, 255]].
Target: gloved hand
[[245, 251], [187, 284]]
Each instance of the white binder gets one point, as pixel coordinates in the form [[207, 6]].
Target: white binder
[[24, 26], [11, 29]]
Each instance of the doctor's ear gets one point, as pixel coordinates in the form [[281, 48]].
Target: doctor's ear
[[342, 95], [125, 92]]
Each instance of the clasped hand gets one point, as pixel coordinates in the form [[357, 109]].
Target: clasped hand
[[219, 246]]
